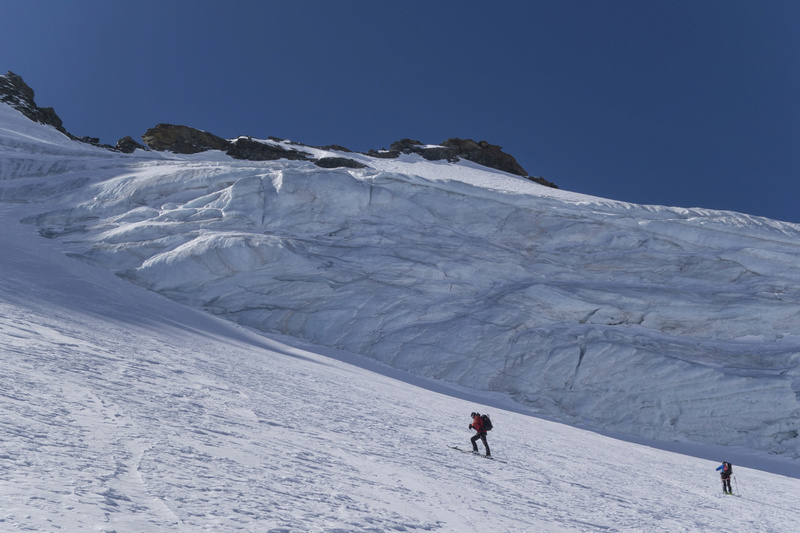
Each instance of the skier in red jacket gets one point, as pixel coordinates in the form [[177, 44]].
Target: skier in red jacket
[[477, 425]]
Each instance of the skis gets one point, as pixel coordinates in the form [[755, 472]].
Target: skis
[[462, 450]]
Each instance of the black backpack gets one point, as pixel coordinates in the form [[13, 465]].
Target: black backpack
[[487, 423], [729, 470]]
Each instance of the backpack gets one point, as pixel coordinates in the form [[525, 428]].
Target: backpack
[[487, 423], [728, 471]]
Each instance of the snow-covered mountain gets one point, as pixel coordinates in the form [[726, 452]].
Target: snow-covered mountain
[[673, 324], [380, 305]]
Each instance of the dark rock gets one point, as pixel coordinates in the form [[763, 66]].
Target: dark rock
[[338, 162], [488, 155], [335, 147], [407, 146], [127, 145], [437, 153], [481, 152], [384, 154], [541, 181], [247, 148], [15, 92], [185, 140], [182, 139], [431, 153]]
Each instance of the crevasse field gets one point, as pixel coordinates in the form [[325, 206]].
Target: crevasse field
[[368, 313]]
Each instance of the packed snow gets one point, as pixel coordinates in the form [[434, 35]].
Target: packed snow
[[369, 312]]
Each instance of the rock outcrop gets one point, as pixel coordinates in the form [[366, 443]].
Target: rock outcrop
[[486, 154], [182, 139], [15, 92], [541, 181], [247, 148], [481, 152], [338, 162], [127, 145], [452, 150], [186, 140]]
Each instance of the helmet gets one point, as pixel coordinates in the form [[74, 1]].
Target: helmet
[[473, 415]]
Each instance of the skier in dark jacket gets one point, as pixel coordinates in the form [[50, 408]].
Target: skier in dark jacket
[[477, 425], [725, 470]]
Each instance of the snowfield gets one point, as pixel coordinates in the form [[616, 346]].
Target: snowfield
[[368, 313]]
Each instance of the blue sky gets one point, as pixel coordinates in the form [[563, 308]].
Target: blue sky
[[684, 103]]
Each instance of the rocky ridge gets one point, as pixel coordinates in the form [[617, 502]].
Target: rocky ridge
[[187, 140], [15, 92]]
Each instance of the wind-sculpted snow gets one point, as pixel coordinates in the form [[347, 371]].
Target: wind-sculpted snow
[[676, 324]]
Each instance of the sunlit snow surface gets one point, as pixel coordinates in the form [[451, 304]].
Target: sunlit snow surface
[[652, 321], [124, 411]]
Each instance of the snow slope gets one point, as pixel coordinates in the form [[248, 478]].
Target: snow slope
[[646, 321], [123, 411], [675, 324]]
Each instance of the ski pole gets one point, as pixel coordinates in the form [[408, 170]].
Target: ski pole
[[736, 482]]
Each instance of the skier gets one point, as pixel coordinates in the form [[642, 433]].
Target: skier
[[725, 470], [477, 425]]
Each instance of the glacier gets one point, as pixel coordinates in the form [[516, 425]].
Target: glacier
[[361, 316], [664, 323]]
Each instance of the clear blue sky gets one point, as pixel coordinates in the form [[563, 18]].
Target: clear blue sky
[[686, 103]]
